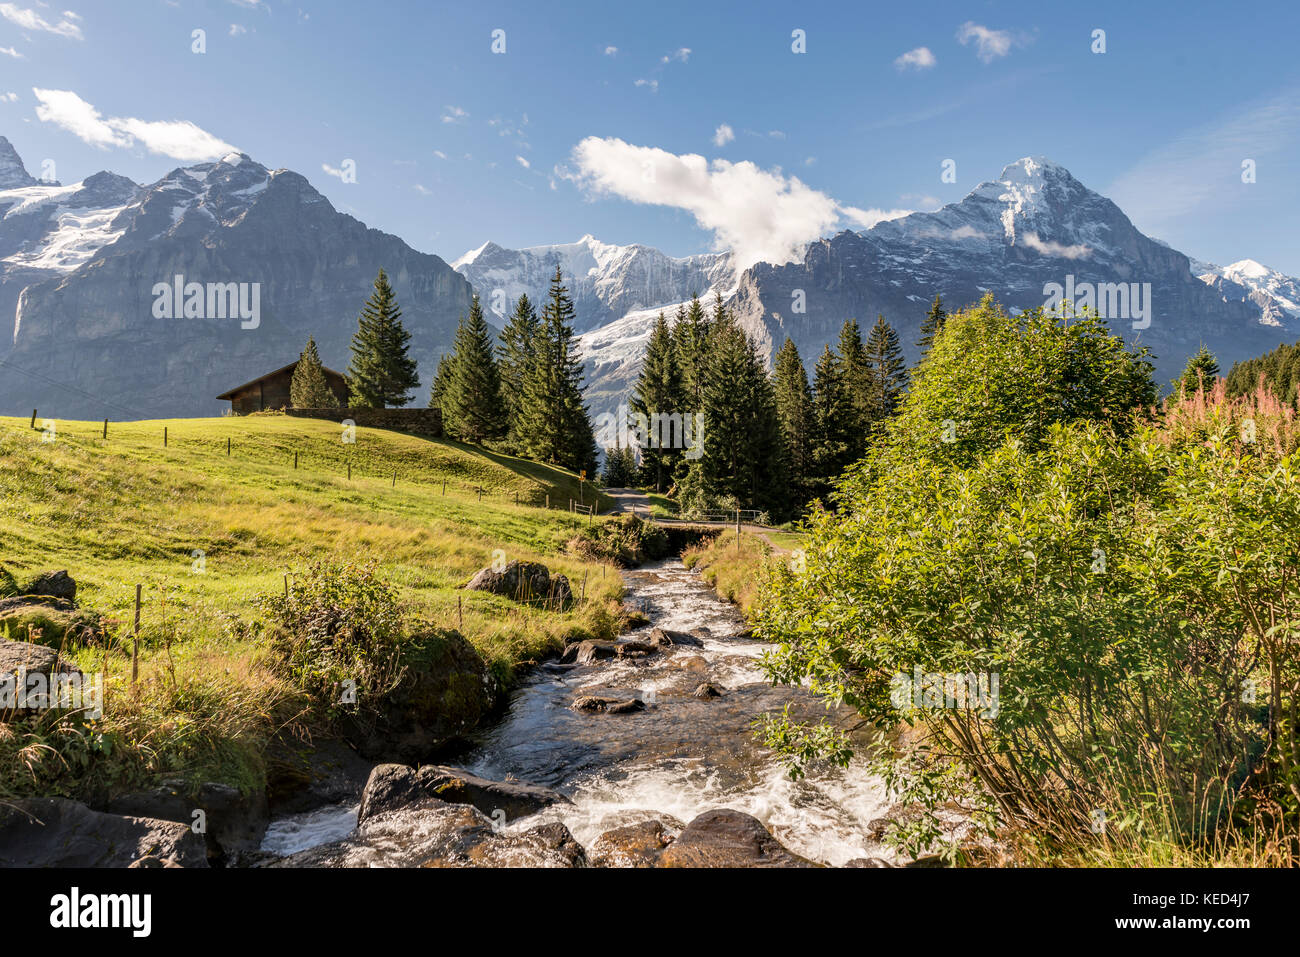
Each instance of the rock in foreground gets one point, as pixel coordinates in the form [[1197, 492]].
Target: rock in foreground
[[54, 832], [726, 838]]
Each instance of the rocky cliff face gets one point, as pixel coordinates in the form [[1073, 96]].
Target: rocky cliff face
[[92, 338]]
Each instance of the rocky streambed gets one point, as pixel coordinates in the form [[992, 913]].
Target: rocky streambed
[[632, 753]]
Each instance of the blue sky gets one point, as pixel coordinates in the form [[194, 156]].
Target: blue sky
[[454, 144]]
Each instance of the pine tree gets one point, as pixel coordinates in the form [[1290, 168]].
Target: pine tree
[[835, 418], [620, 467], [932, 325], [691, 335], [1200, 373], [743, 458], [441, 380], [381, 373], [515, 352], [658, 393], [855, 374], [553, 425], [472, 407], [794, 408], [308, 389], [886, 371]]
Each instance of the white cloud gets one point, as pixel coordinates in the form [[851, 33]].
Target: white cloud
[[422, 189], [9, 97], [653, 84], [31, 20], [989, 44], [723, 135], [238, 29], [762, 215], [866, 218], [179, 139], [523, 162], [453, 114], [919, 59], [1050, 248], [1201, 170], [611, 51], [682, 54], [10, 51], [332, 170], [440, 154]]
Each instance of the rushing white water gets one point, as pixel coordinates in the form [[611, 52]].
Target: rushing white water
[[677, 758], [681, 756], [297, 832]]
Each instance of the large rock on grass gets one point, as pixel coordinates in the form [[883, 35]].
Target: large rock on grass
[[529, 582]]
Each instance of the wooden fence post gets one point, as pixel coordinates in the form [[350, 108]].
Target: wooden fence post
[[227, 446], [164, 436], [295, 461], [460, 614], [106, 428], [33, 418], [135, 650]]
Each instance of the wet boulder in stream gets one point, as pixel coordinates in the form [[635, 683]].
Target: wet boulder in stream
[[727, 838], [393, 787], [431, 833], [663, 638]]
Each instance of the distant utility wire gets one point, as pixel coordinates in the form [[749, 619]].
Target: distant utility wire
[[107, 403]]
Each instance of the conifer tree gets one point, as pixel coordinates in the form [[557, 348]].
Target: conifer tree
[[854, 373], [308, 388], [515, 352], [691, 334], [620, 467], [381, 373], [743, 457], [794, 408], [658, 394], [835, 417], [1200, 373], [886, 371], [552, 422], [441, 380], [472, 407], [932, 325]]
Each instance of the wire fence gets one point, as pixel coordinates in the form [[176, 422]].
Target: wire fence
[[308, 459]]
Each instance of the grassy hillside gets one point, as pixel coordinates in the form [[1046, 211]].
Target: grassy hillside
[[126, 510]]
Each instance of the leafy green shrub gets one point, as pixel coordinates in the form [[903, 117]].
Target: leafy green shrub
[[338, 634], [1136, 605], [992, 376], [626, 541]]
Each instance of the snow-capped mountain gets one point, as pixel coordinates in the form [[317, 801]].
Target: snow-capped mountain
[[1276, 295], [605, 281], [1033, 227], [13, 173], [86, 267], [48, 229]]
